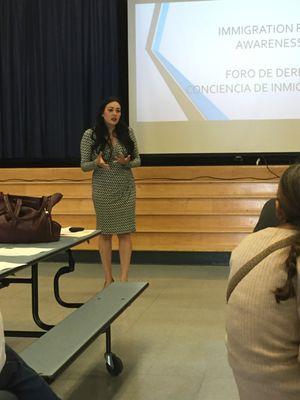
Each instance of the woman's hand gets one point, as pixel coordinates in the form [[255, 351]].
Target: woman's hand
[[100, 161], [121, 159]]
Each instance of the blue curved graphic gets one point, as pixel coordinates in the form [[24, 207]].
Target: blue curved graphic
[[201, 102]]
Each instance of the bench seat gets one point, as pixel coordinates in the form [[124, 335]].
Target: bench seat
[[57, 348]]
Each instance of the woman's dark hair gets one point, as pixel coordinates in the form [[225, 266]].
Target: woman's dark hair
[[289, 200], [101, 135]]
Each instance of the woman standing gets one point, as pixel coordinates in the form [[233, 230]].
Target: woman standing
[[110, 150], [263, 321]]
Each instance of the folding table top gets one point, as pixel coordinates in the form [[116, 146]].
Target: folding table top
[[14, 257]]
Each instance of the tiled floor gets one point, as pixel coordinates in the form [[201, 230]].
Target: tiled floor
[[171, 340]]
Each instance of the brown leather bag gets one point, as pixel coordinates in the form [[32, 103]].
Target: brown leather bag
[[25, 219]]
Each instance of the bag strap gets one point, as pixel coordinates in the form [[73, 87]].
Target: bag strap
[[12, 213], [246, 268], [53, 199]]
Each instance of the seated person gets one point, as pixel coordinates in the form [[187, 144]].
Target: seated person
[[18, 378], [263, 316], [267, 216]]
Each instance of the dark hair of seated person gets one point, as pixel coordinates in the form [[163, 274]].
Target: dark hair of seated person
[[268, 216], [288, 214]]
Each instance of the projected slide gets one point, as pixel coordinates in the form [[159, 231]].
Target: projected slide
[[217, 60]]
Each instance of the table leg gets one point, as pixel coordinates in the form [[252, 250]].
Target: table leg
[[34, 305], [64, 270], [35, 299]]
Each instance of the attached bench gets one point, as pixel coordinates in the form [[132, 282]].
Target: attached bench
[[59, 346]]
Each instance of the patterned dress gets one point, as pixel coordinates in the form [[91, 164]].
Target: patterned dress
[[113, 188]]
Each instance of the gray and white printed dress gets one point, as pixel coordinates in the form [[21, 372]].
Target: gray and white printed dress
[[113, 188]]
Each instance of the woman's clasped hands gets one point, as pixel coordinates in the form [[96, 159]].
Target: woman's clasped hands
[[100, 161], [120, 158]]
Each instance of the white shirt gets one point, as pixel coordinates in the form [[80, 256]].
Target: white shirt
[[2, 344]]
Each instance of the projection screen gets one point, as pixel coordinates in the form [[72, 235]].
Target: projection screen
[[215, 76]]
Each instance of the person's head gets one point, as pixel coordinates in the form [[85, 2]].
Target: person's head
[[109, 112], [109, 119], [288, 196]]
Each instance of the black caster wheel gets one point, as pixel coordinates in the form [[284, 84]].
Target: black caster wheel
[[114, 364]]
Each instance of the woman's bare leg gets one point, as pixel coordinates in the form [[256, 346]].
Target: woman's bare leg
[[105, 249], [125, 249]]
